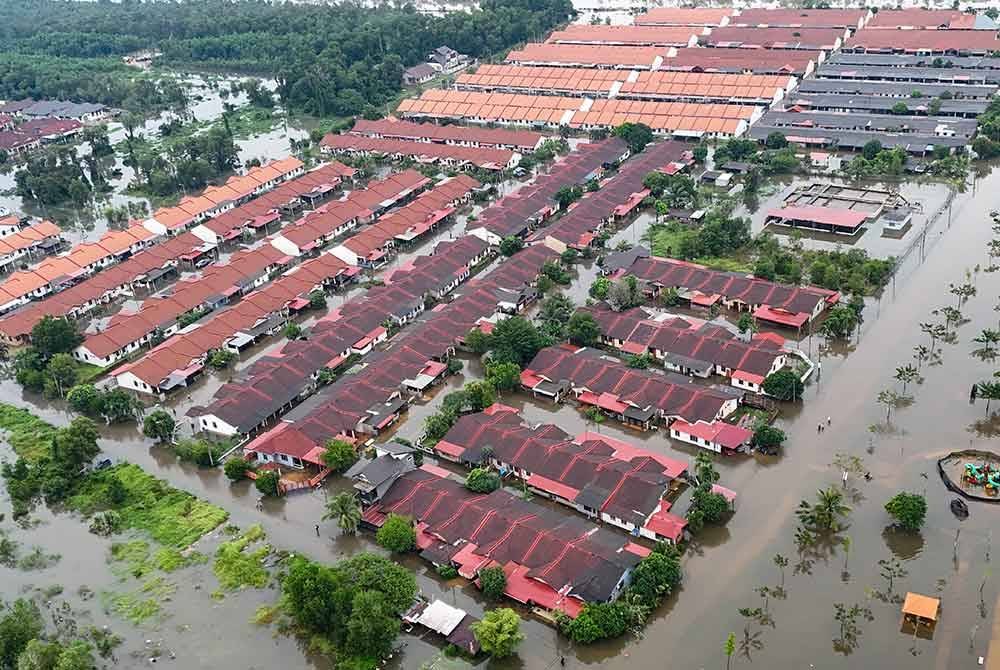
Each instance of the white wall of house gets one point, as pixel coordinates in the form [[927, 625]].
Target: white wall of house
[[213, 424], [129, 381]]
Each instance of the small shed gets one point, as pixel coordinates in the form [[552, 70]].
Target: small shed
[[918, 609]]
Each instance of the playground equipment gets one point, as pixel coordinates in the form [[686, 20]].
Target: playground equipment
[[986, 475], [974, 474]]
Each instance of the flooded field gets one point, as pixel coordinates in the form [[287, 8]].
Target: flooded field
[[725, 566]]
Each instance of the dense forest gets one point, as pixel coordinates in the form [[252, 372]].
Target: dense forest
[[329, 60]]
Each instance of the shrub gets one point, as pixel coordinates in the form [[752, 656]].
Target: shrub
[[481, 480], [397, 534], [908, 509], [236, 468], [267, 482], [492, 582]]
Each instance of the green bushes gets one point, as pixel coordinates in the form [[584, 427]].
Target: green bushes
[[397, 534], [653, 579]]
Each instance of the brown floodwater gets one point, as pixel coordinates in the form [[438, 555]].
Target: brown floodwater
[[724, 566]]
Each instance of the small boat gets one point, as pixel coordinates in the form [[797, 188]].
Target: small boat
[[959, 508]]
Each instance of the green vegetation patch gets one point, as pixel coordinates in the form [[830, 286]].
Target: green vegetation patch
[[236, 567], [173, 518], [27, 434], [141, 605]]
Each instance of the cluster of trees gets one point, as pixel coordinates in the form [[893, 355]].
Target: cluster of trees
[[114, 405], [105, 80], [473, 397], [514, 340], [653, 579], [852, 271], [56, 473], [876, 161], [707, 507], [184, 163], [58, 175], [777, 157], [987, 142], [635, 135], [24, 645], [352, 606], [546, 152], [327, 63], [47, 366], [719, 234]]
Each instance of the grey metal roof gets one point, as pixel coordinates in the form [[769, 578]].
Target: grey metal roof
[[913, 143], [881, 104], [899, 89], [866, 122]]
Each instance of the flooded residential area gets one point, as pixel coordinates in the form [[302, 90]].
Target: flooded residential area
[[656, 337]]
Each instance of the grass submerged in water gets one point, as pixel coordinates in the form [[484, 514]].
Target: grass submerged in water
[[141, 605], [235, 567], [28, 435], [171, 517]]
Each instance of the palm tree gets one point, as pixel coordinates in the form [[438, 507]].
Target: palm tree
[[890, 399], [989, 390], [345, 508], [987, 338], [829, 507], [921, 353], [906, 374]]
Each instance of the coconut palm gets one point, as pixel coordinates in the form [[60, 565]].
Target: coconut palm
[[905, 374], [987, 338], [989, 390], [345, 508], [829, 508]]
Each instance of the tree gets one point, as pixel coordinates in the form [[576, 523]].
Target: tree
[[635, 135], [372, 626], [583, 329], [480, 394], [900, 108], [891, 570], [492, 582], [704, 469], [236, 468], [52, 336], [397, 534], [657, 575], [21, 623], [783, 385], [908, 509], [159, 425], [890, 399], [499, 632], [268, 482], [85, 399], [989, 390], [747, 325], [482, 480], [339, 455], [516, 340], [477, 341], [599, 288], [871, 149], [767, 437], [555, 313], [510, 245], [711, 507], [700, 153], [839, 323], [119, 406], [624, 294], [775, 140], [61, 375], [220, 359], [567, 195], [988, 338], [730, 649], [826, 513], [292, 330], [503, 376], [345, 508], [317, 299], [905, 375]]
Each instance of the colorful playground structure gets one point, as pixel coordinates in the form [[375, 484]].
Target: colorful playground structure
[[985, 474]]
